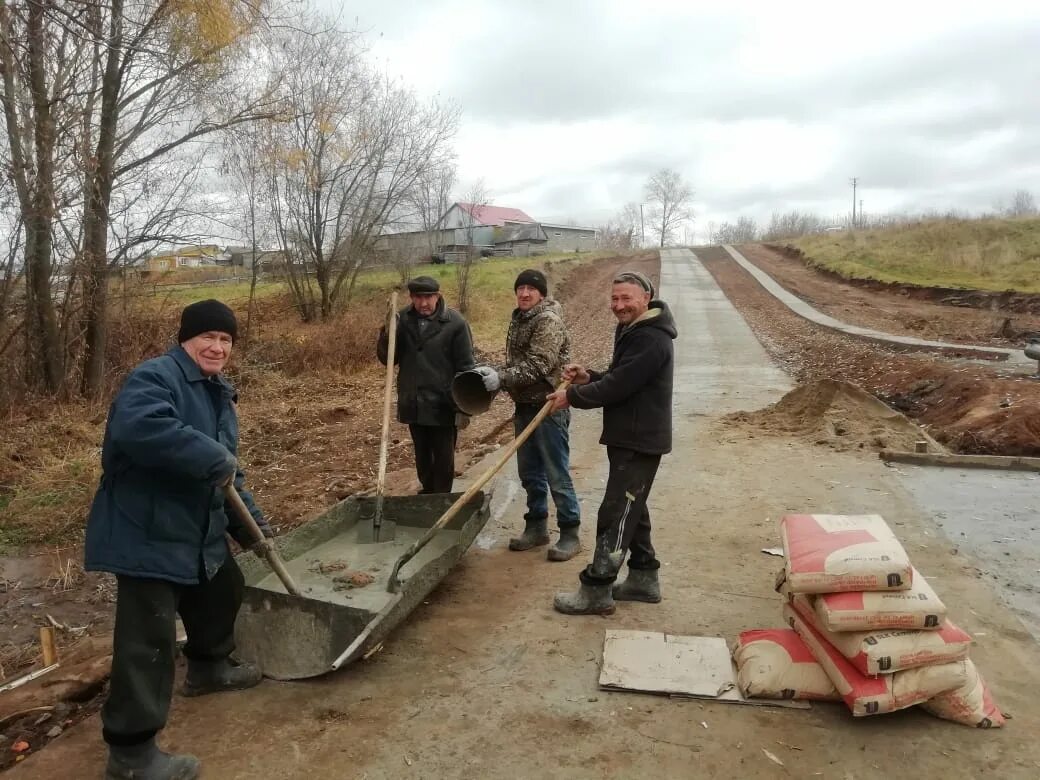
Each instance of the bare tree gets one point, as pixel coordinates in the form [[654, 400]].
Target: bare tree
[[1023, 204], [621, 231], [793, 223], [669, 196], [247, 158], [344, 164], [431, 200], [475, 198], [743, 230]]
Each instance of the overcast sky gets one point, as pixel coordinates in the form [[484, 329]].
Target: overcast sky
[[569, 106]]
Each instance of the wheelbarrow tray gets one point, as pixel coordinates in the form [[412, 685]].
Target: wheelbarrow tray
[[294, 637]]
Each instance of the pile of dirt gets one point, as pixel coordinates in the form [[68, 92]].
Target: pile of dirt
[[835, 414]]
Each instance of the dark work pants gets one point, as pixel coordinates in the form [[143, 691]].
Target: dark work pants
[[435, 456], [623, 525], [144, 645]]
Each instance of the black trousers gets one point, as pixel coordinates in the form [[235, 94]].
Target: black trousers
[[144, 645], [435, 456], [623, 525]]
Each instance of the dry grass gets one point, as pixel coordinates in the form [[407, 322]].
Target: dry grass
[[982, 254], [50, 453]]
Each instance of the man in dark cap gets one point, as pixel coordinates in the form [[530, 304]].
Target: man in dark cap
[[433, 344], [158, 522], [635, 393], [537, 347]]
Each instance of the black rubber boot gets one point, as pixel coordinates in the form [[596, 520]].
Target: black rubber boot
[[213, 676], [567, 546], [147, 762], [640, 585], [536, 534], [589, 600]]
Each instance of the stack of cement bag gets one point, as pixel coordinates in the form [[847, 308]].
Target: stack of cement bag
[[867, 628]]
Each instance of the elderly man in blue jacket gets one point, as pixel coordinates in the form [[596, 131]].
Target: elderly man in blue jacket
[[158, 522]]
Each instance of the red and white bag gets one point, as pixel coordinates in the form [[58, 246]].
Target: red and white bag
[[972, 704], [886, 652], [774, 663], [884, 693], [918, 608], [839, 553]]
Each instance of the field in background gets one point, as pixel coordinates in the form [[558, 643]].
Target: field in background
[[982, 254]]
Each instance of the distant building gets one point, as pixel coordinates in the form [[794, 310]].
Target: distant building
[[501, 229], [194, 256]]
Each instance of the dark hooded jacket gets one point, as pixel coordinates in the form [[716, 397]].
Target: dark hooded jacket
[[428, 357], [171, 439], [636, 391]]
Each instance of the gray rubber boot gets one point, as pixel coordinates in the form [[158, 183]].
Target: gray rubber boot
[[213, 676], [147, 762], [536, 534], [589, 600], [567, 546], [640, 585]]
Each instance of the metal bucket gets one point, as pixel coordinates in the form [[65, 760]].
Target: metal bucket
[[469, 393]]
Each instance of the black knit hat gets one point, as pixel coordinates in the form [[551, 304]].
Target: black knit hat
[[532, 278], [204, 316], [423, 285]]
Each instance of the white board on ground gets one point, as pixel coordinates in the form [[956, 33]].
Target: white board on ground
[[694, 666]]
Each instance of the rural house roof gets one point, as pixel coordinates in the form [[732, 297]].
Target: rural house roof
[[494, 215]]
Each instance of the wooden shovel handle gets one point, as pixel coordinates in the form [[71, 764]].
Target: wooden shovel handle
[[274, 560], [391, 334], [473, 489]]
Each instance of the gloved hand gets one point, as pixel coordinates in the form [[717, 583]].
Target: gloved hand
[[260, 548], [492, 382]]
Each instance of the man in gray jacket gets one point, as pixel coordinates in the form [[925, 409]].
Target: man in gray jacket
[[433, 345]]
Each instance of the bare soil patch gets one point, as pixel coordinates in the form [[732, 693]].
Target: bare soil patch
[[898, 309], [970, 408]]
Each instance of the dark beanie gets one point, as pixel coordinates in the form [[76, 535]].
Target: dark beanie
[[204, 316], [423, 285], [532, 278]]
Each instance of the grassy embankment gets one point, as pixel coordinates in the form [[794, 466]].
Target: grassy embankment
[[981, 254]]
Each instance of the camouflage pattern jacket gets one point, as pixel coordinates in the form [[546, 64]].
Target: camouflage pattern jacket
[[537, 347]]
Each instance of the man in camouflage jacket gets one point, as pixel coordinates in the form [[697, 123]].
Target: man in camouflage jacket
[[537, 347]]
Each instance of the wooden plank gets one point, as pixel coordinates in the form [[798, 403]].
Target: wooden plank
[[1002, 462]]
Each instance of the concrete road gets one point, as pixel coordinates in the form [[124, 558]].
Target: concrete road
[[486, 680]]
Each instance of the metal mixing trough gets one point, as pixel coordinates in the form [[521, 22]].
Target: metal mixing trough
[[294, 637]]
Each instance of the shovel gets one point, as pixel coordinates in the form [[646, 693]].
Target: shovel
[[274, 560], [384, 530]]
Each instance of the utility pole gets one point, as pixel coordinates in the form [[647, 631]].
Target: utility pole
[[642, 228], [855, 181]]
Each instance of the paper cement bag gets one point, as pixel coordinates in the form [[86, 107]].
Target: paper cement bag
[[885, 652], [918, 608], [972, 704], [839, 553], [876, 695], [774, 663]]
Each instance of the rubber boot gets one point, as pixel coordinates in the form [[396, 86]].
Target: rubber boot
[[213, 676], [536, 534], [640, 585], [567, 546], [589, 600], [147, 762]]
